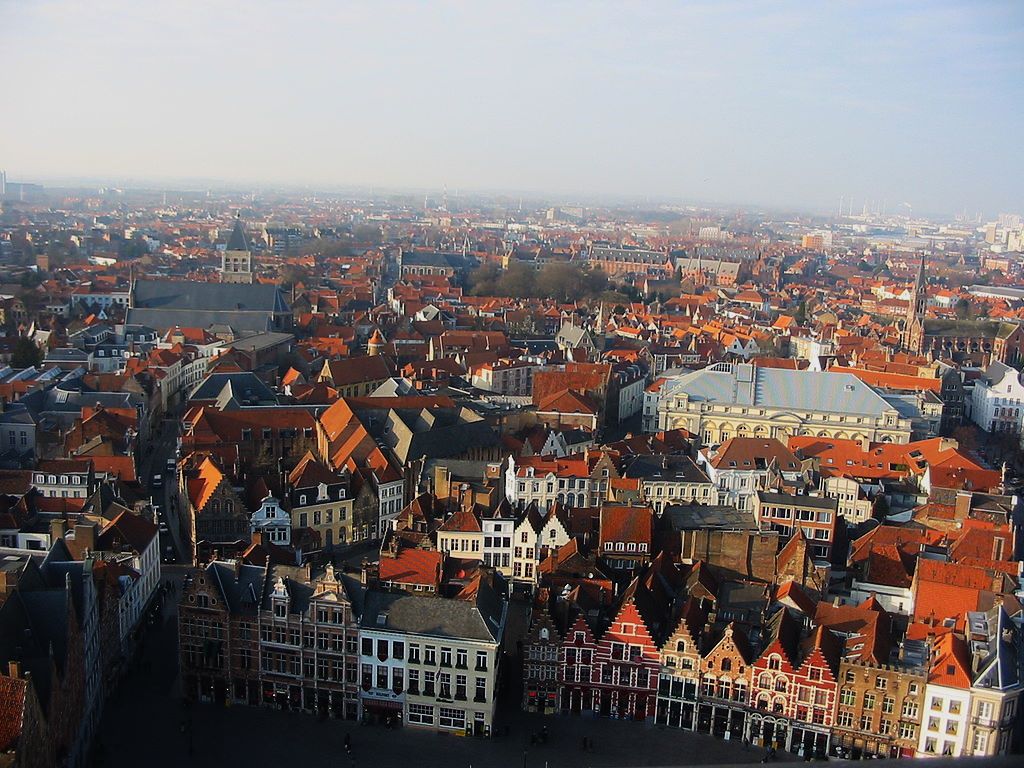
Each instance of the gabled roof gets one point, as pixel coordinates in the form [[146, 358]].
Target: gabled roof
[[462, 521], [951, 663]]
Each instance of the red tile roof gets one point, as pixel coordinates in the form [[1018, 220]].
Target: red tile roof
[[626, 524], [411, 566], [12, 711]]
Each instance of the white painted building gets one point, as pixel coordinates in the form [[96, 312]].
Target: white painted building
[[432, 668], [498, 530], [272, 521], [997, 401]]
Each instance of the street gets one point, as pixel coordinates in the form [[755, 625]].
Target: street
[[145, 717], [162, 447]]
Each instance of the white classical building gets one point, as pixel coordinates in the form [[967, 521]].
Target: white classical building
[[997, 402], [725, 400]]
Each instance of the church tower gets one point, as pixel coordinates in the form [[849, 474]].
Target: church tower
[[236, 261], [913, 333]]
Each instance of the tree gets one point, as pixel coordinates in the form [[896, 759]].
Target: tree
[[292, 274], [26, 354], [801, 313], [367, 233], [483, 281], [963, 309], [518, 280]]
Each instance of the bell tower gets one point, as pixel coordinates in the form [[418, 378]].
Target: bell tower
[[913, 334], [236, 261]]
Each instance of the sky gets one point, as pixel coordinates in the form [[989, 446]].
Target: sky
[[724, 101]]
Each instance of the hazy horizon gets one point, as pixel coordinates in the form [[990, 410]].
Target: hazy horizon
[[791, 105]]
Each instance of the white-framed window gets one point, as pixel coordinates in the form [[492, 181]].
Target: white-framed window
[[451, 718], [421, 714]]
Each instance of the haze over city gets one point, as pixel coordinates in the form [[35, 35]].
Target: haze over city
[[787, 104], [563, 384]]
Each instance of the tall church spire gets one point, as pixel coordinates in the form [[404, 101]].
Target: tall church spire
[[913, 334]]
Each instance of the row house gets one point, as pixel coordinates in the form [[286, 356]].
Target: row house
[[431, 668], [793, 688], [378, 485], [679, 680], [505, 377], [64, 478], [665, 480], [498, 532], [269, 635], [626, 536], [614, 674], [580, 480], [320, 499], [308, 643], [724, 684], [879, 709], [742, 466], [263, 439], [541, 650], [130, 546], [271, 523], [881, 693], [462, 535], [215, 519], [786, 513], [537, 534]]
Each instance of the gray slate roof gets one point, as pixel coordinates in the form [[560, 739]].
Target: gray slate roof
[[745, 384], [437, 617], [243, 307], [692, 517], [237, 241]]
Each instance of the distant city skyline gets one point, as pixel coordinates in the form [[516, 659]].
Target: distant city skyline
[[796, 105]]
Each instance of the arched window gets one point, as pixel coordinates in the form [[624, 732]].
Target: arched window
[[544, 633], [215, 507], [229, 507], [774, 662]]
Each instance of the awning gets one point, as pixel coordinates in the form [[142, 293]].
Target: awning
[[374, 705]]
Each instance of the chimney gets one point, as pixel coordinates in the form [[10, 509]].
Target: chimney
[[14, 669], [58, 528], [85, 536]]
